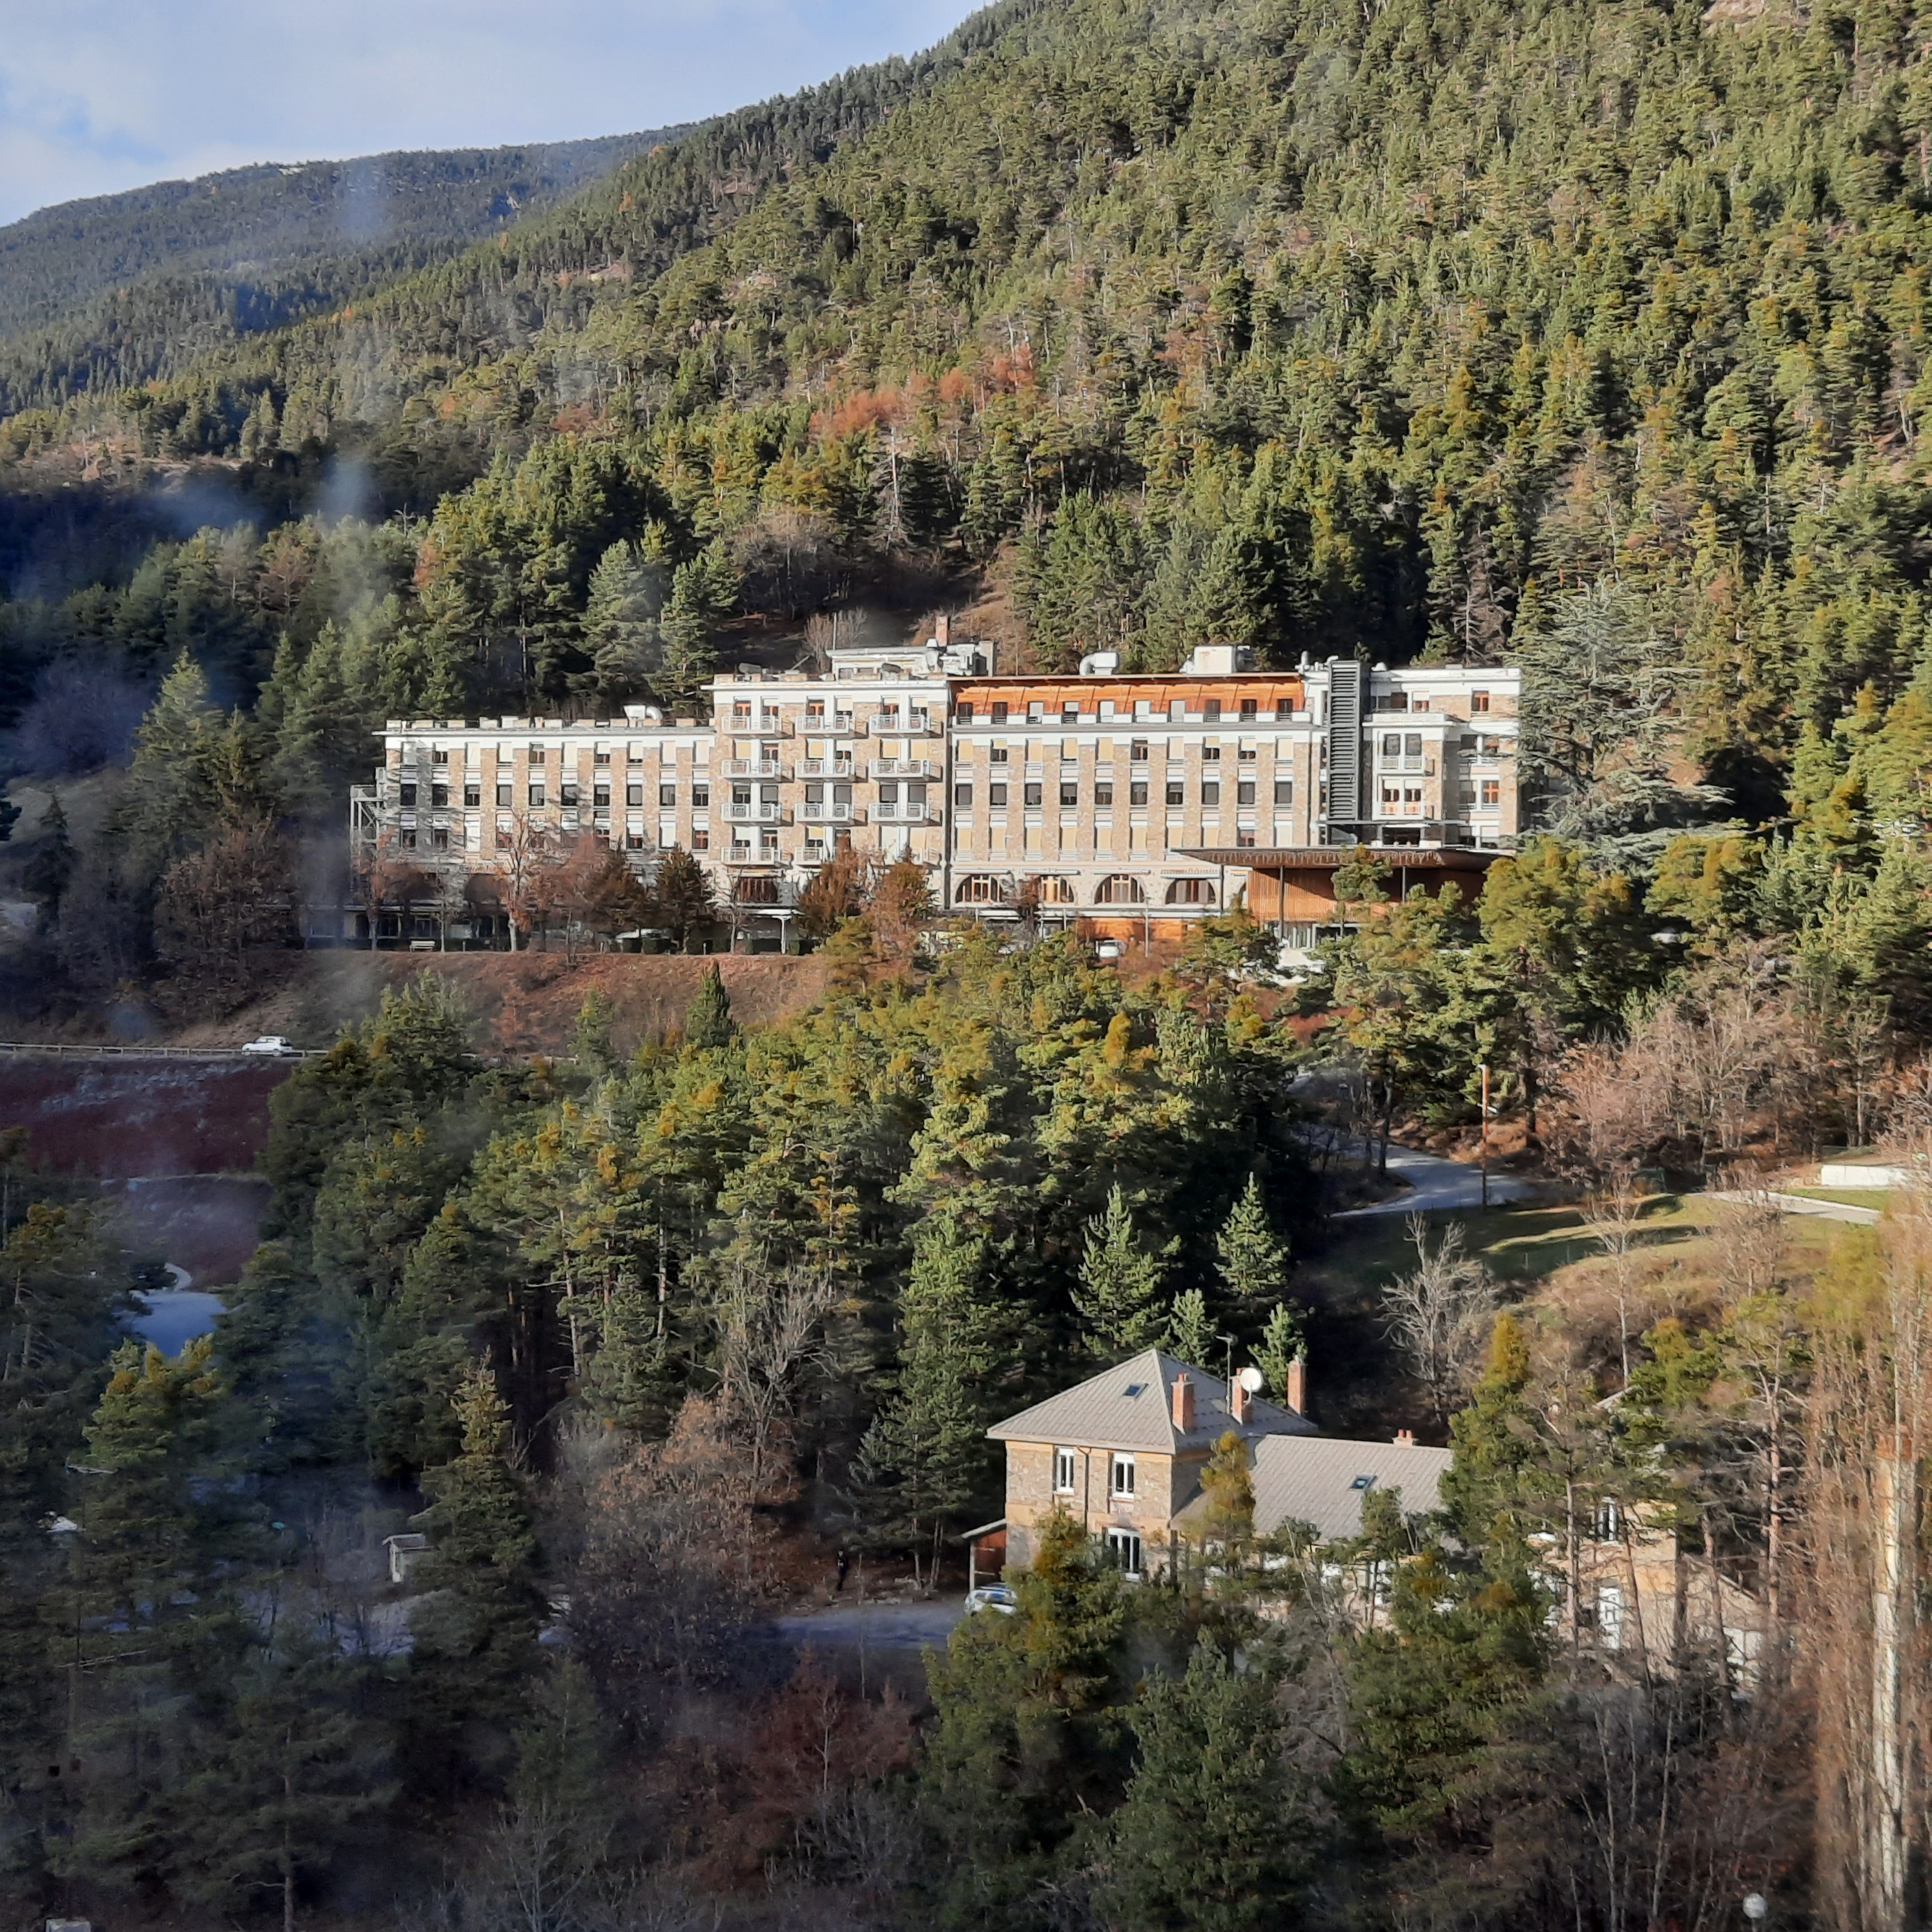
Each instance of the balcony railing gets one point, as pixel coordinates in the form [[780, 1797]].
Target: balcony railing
[[825, 768], [1412, 763], [903, 768], [754, 768], [897, 724], [897, 813], [761, 813], [826, 811]]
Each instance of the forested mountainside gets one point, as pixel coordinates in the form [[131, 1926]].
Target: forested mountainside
[[120, 289], [1309, 326]]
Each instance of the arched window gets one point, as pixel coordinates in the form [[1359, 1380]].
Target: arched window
[[1050, 889], [977, 889], [1191, 892], [1120, 889]]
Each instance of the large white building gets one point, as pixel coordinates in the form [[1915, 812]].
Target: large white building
[[1131, 804]]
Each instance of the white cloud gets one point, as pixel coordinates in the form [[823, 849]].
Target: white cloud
[[97, 95]]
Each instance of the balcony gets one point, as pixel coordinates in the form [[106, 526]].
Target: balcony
[[754, 768], [825, 768], [900, 724], [1412, 763], [898, 813], [760, 814], [903, 768], [840, 724], [826, 811]]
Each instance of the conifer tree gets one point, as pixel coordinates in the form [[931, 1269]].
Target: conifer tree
[[1119, 1296], [475, 1637], [1254, 1260], [1201, 1839], [681, 902], [1190, 1330], [707, 1020], [52, 866], [925, 1457], [1282, 1342], [1492, 1438]]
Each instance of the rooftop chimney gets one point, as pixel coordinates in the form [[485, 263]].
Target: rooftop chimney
[[1183, 1403], [942, 631], [1404, 1439], [1240, 1404], [1296, 1394]]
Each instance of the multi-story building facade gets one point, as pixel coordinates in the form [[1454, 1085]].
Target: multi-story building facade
[[1132, 805]]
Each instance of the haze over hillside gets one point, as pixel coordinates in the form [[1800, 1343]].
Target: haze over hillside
[[119, 288]]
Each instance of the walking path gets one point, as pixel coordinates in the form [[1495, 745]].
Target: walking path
[[1803, 1204], [1435, 1182]]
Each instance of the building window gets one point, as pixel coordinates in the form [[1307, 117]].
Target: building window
[[1103, 794], [633, 794], [1000, 713], [1062, 1472], [963, 713], [962, 796], [1036, 711], [408, 793], [1245, 836], [439, 794], [741, 714], [701, 840], [1244, 792], [439, 838], [439, 757], [567, 792], [1212, 709], [408, 841], [1122, 889], [1210, 754], [537, 755], [1123, 1550], [601, 758], [1211, 791], [1121, 1483], [1052, 890], [1177, 794], [667, 796], [1137, 794], [1284, 709], [1191, 892], [1250, 707], [1479, 700], [1070, 714], [978, 888], [472, 796], [700, 797], [601, 796], [634, 841], [996, 797], [1035, 794], [1284, 791], [536, 797], [1069, 795], [1609, 1521], [1492, 791], [505, 795]]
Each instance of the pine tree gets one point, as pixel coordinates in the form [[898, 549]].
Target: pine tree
[[681, 902], [1254, 1261], [707, 1020], [281, 1788], [52, 866], [1119, 1295], [1282, 1343], [1201, 1839], [925, 1457], [1190, 1331], [620, 627], [1492, 1438], [475, 1636], [590, 1045]]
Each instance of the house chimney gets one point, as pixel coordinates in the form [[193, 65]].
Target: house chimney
[[1296, 1394], [1404, 1439], [1183, 1404], [1240, 1404], [942, 631]]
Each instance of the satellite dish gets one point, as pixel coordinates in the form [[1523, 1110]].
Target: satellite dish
[[1251, 1379]]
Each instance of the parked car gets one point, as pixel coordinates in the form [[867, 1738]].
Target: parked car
[[268, 1042], [992, 1597]]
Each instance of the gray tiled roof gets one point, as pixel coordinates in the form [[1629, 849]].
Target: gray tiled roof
[[1313, 1479], [1131, 1406]]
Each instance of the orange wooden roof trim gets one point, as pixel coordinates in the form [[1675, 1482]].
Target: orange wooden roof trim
[[1125, 692]]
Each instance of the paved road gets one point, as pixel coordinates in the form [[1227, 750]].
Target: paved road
[[890, 1626], [1802, 1203], [1435, 1182]]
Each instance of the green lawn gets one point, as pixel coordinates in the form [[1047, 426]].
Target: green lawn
[[1846, 1197]]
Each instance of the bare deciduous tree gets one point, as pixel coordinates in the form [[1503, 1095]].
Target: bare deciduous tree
[[1439, 1314]]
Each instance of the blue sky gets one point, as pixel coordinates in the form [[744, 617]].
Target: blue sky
[[97, 95]]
